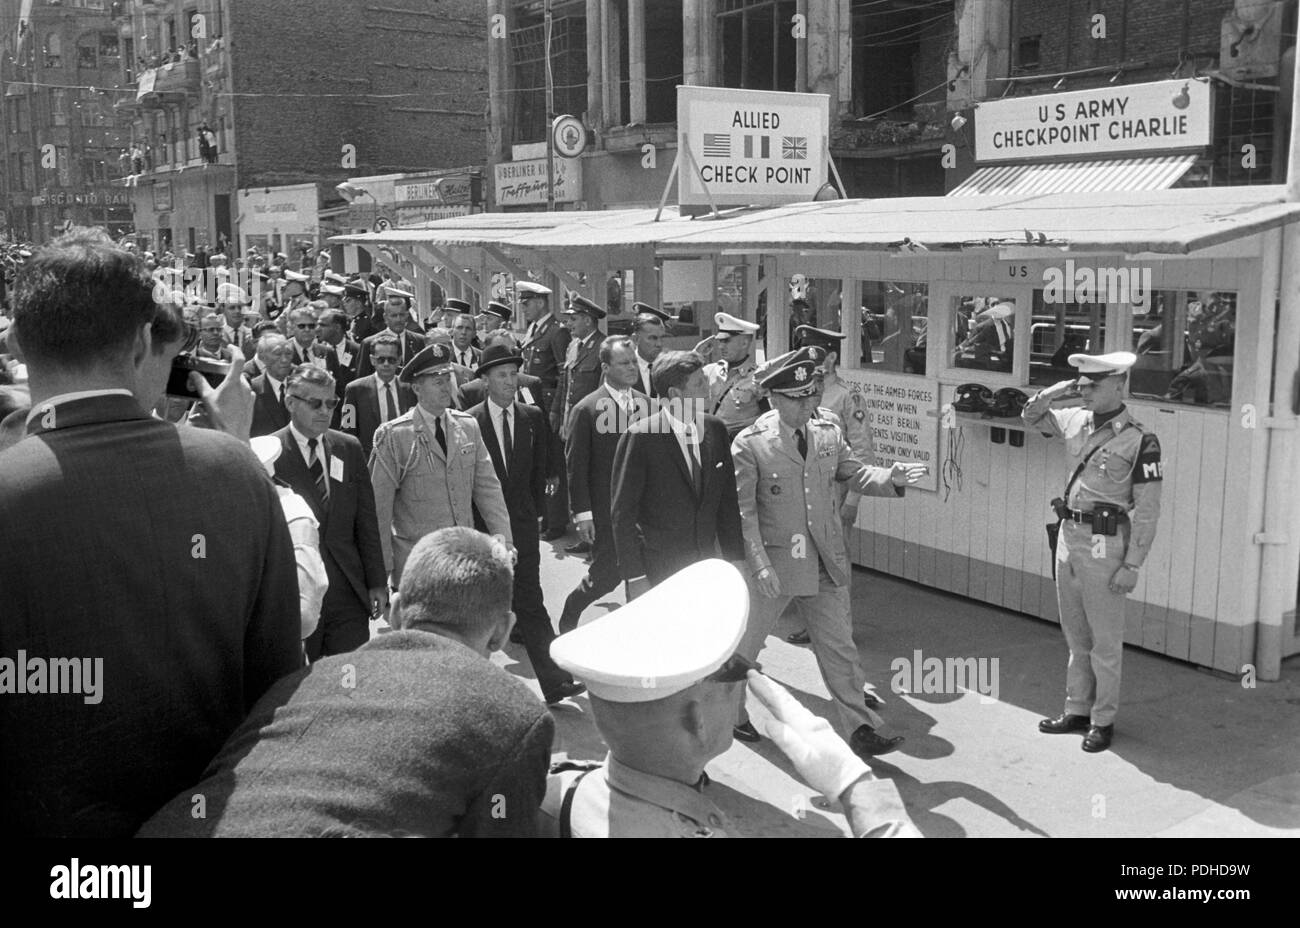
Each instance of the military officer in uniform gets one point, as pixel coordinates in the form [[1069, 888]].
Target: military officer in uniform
[[544, 346], [786, 465], [734, 396], [1108, 514], [665, 680], [496, 316], [430, 467]]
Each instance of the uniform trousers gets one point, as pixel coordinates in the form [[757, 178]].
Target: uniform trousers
[[344, 624], [530, 609], [1092, 618], [826, 616], [602, 576]]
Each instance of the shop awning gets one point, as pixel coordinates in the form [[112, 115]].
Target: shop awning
[[1155, 173]]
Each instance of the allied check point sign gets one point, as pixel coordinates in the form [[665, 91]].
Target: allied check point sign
[[751, 147]]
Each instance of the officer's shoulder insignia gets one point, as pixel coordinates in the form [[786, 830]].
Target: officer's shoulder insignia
[[1148, 466]]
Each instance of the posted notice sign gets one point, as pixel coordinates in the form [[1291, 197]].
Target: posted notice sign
[[523, 183], [902, 412], [1160, 116], [750, 147]]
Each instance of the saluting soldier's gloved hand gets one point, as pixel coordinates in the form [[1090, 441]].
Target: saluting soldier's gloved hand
[[823, 759]]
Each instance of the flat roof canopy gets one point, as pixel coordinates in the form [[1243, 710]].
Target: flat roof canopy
[[1171, 222]]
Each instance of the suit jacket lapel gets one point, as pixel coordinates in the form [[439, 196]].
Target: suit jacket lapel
[[294, 472], [490, 439]]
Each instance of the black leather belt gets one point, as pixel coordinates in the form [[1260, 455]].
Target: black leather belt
[[1074, 515]]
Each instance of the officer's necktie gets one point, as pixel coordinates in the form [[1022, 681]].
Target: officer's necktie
[[440, 435], [507, 439], [802, 443], [390, 405], [317, 471]]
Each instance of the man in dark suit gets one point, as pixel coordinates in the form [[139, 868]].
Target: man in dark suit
[[648, 336], [334, 349], [172, 618], [545, 346], [517, 439], [397, 316], [270, 414], [370, 401], [598, 423], [530, 391], [302, 330], [328, 469], [463, 333], [430, 738], [674, 499]]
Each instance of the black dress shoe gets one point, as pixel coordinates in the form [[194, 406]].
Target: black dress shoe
[[1063, 724], [1098, 738], [566, 690], [747, 732], [581, 547], [866, 743], [552, 534], [799, 637]]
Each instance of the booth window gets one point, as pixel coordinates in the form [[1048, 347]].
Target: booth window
[[814, 301], [895, 317], [756, 46], [1195, 365], [1058, 330], [984, 330]]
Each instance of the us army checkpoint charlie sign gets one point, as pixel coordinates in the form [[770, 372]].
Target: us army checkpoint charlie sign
[[750, 147]]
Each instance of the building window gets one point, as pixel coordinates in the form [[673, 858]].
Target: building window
[[1185, 343], [26, 171], [109, 48], [1058, 330], [756, 46], [59, 107], [895, 320], [984, 333], [900, 56], [663, 59], [19, 115], [87, 56], [1243, 116], [53, 50], [128, 59], [1028, 54], [528, 71]]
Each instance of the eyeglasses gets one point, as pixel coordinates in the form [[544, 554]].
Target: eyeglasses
[[316, 404], [305, 325], [735, 670], [383, 359]]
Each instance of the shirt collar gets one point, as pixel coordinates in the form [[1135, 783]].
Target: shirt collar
[[622, 396], [672, 795], [497, 407], [430, 418], [40, 408], [275, 384], [302, 439]]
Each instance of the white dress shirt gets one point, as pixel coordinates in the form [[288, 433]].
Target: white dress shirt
[[494, 412], [301, 441]]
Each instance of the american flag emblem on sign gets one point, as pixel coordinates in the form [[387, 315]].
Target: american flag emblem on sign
[[794, 147], [717, 145]]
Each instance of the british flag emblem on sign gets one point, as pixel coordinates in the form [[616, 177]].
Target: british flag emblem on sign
[[794, 147]]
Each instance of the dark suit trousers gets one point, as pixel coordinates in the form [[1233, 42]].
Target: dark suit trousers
[[602, 577], [344, 619], [530, 610], [557, 504]]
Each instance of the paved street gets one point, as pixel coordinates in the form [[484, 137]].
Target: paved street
[[1195, 754]]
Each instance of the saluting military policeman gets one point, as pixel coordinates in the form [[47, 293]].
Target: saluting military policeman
[[429, 466], [734, 396], [786, 466], [665, 679], [1108, 518]]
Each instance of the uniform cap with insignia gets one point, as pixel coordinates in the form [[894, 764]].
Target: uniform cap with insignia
[[799, 375], [232, 293], [526, 288], [667, 639], [500, 310], [728, 324], [357, 288], [649, 310], [435, 359], [456, 306], [580, 304], [295, 276], [1095, 367], [823, 338]]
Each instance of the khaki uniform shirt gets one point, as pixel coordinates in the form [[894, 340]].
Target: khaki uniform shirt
[[734, 396], [1126, 472]]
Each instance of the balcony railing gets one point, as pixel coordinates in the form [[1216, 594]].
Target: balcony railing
[[169, 81]]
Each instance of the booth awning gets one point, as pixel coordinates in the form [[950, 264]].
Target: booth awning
[[1156, 173]]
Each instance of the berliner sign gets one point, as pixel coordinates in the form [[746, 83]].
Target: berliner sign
[[750, 147], [1160, 116]]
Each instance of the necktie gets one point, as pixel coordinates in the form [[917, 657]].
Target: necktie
[[390, 405], [282, 394], [440, 435], [692, 452], [802, 443], [509, 444], [317, 471]]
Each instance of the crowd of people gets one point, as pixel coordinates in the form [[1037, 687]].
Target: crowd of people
[[415, 467]]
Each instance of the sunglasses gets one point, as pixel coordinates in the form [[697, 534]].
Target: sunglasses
[[735, 670], [316, 404], [305, 325], [383, 359]]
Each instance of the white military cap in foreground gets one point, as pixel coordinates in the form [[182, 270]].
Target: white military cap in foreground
[[725, 322], [665, 640], [1103, 365], [526, 287]]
